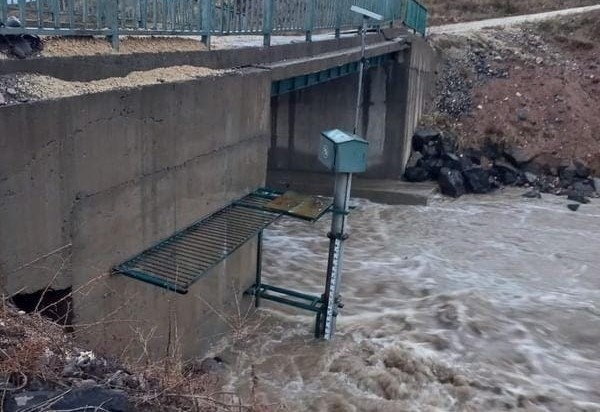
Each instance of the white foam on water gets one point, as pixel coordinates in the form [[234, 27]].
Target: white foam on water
[[483, 303]]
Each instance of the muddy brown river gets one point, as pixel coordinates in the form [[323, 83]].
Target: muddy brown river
[[480, 304]]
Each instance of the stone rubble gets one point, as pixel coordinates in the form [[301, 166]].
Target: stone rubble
[[436, 156]]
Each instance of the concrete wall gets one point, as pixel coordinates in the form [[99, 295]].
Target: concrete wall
[[394, 96], [298, 118], [414, 88], [104, 176]]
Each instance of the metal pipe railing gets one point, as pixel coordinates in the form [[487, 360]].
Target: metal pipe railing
[[204, 18]]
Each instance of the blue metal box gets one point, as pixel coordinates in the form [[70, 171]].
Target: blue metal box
[[343, 152]]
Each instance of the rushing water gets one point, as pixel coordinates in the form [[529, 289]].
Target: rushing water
[[479, 304]]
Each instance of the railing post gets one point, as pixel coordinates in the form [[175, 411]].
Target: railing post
[[3, 12], [207, 11], [56, 13], [267, 21], [114, 37], [143, 21], [338, 17], [389, 11], [71, 6], [310, 19], [21, 12]]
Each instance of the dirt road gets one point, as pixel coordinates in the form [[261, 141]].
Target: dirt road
[[507, 21]]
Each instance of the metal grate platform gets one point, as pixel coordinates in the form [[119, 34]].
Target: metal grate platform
[[178, 261]]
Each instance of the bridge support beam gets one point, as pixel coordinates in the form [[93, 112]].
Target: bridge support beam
[[395, 92]]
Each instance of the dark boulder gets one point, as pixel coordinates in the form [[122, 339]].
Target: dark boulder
[[451, 161], [423, 137], [521, 180], [577, 197], [447, 143], [532, 194], [451, 182], [494, 182], [477, 180], [432, 165], [506, 173], [573, 206], [545, 185], [544, 163], [430, 150], [465, 162], [492, 151], [517, 156], [581, 169], [456, 161], [531, 178], [414, 159], [416, 174], [585, 187], [567, 175], [473, 155]]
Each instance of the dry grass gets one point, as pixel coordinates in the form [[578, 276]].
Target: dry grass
[[31, 347], [444, 12], [35, 349]]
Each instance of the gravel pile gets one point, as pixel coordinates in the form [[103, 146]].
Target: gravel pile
[[22, 88], [89, 46]]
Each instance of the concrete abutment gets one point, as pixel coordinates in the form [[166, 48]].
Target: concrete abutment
[[88, 181]]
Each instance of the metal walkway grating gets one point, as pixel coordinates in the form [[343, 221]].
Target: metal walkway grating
[[180, 260], [177, 262]]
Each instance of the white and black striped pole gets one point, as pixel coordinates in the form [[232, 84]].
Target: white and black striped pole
[[337, 236]]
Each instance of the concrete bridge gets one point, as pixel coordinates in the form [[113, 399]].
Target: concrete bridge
[[88, 181]]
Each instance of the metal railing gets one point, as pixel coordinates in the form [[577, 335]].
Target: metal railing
[[200, 17], [415, 16]]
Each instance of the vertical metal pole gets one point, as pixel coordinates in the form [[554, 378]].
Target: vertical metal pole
[[99, 14], [267, 21], [3, 10], [144, 14], [71, 6], [338, 17], [84, 11], [310, 19], [341, 199], [114, 37], [154, 15], [360, 73], [56, 13], [22, 16], [258, 281], [206, 21]]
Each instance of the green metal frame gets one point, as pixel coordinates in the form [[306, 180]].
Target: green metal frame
[[284, 296], [307, 80], [206, 243], [415, 16], [130, 267]]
